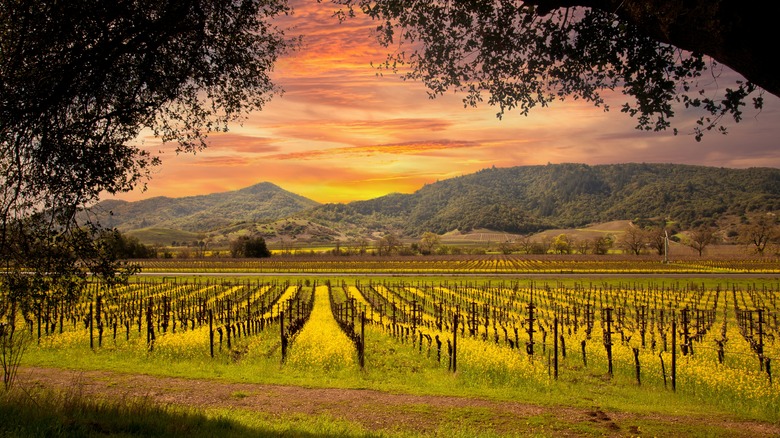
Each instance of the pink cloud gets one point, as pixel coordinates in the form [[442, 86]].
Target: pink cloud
[[242, 143], [408, 148]]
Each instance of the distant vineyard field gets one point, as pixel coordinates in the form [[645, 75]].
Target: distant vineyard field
[[468, 264]]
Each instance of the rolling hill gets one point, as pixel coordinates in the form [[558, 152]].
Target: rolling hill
[[525, 199], [259, 203], [531, 198]]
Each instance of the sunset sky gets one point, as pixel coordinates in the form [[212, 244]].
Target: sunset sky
[[341, 133]]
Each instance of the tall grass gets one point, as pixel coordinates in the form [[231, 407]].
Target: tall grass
[[72, 413]]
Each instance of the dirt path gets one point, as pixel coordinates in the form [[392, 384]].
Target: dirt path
[[375, 410]]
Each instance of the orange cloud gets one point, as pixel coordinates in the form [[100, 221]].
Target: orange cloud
[[426, 124], [410, 148], [246, 144]]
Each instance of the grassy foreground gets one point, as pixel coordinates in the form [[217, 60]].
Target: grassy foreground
[[71, 414], [99, 403]]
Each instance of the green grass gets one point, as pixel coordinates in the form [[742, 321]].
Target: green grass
[[70, 414], [43, 413]]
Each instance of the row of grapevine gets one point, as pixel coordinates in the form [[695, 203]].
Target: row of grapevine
[[661, 321], [487, 264], [684, 335]]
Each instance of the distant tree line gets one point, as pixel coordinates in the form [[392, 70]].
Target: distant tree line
[[758, 232]]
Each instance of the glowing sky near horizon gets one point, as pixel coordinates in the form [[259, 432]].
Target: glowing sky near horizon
[[341, 133]]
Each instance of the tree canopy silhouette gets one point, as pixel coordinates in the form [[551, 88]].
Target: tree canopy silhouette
[[80, 82], [663, 55]]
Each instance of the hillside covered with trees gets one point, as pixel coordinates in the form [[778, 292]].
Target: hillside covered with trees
[[261, 202], [527, 199]]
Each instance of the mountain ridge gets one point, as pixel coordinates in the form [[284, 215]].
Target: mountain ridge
[[526, 199], [264, 201], [521, 199]]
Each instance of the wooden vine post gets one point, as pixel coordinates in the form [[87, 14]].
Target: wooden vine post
[[362, 352], [455, 342], [211, 332], [584, 357], [555, 347], [608, 339], [760, 344], [643, 324], [674, 352], [91, 334], [98, 319], [472, 319], [636, 364], [414, 316], [150, 325], [530, 346], [687, 346], [227, 323], [284, 339]]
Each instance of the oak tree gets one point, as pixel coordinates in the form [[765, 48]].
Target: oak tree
[[602, 244], [634, 240], [657, 237], [759, 231], [561, 244], [388, 244], [662, 55], [249, 247], [80, 82], [428, 242], [700, 238]]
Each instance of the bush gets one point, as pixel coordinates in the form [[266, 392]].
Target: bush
[[253, 247]]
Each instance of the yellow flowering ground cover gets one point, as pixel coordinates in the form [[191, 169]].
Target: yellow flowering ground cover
[[321, 345], [731, 328]]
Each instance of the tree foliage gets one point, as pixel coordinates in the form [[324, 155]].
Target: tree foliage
[[700, 238], [562, 244], [389, 244], [759, 231], [602, 244], [657, 238], [121, 246], [428, 242], [80, 81], [519, 55], [250, 247], [634, 240]]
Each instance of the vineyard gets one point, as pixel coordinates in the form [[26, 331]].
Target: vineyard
[[489, 264], [713, 342]]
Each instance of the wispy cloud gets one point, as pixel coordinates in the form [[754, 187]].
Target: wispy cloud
[[246, 144], [408, 148]]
